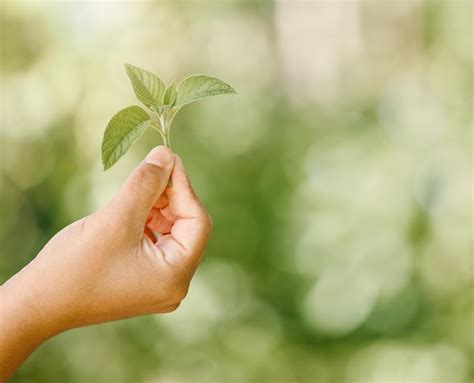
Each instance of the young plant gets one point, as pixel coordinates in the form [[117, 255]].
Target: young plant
[[162, 103]]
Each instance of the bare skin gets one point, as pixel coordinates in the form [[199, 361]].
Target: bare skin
[[109, 265]]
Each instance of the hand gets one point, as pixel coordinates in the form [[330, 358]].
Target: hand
[[110, 265]]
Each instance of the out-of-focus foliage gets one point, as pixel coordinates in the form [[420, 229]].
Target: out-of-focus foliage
[[339, 180]]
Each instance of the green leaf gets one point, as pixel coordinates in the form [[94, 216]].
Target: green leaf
[[123, 130], [147, 86], [169, 97], [195, 87]]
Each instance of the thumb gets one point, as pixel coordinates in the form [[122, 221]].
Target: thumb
[[145, 184]]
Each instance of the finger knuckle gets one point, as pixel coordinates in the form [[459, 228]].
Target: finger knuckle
[[171, 308], [206, 223], [210, 222], [179, 290]]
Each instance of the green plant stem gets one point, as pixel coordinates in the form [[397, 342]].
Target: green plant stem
[[166, 140], [166, 130], [163, 135]]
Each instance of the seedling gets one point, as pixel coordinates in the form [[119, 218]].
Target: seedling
[[162, 103]]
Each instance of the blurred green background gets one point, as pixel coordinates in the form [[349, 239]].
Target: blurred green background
[[339, 180]]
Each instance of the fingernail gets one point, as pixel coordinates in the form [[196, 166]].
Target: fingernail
[[160, 156]]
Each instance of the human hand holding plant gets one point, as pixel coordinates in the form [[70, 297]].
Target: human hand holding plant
[[109, 265]]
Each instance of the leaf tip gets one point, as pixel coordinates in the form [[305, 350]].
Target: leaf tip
[[105, 163], [128, 67]]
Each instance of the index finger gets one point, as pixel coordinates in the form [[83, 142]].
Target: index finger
[[191, 223]]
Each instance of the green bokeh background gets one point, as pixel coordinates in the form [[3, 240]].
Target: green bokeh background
[[339, 180]]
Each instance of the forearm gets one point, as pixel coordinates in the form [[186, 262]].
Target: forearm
[[22, 323]]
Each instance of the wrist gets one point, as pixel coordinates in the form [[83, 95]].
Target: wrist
[[35, 298], [26, 321]]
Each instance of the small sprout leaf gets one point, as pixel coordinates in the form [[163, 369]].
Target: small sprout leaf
[[123, 130], [147, 86], [195, 87], [169, 98]]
